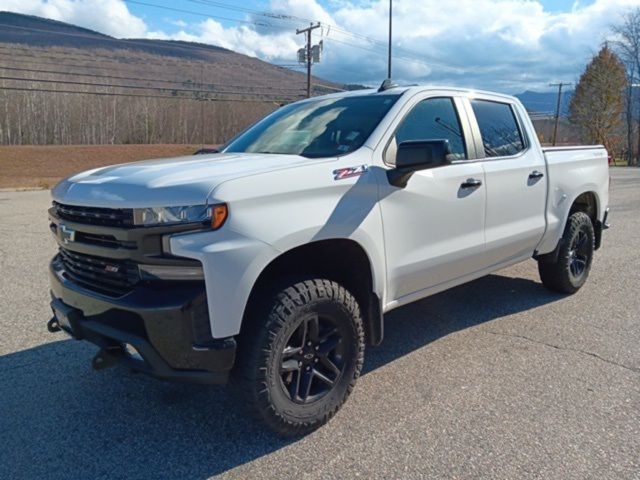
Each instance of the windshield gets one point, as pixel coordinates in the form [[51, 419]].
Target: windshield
[[320, 128]]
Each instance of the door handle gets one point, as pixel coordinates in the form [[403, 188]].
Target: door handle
[[535, 175], [471, 183]]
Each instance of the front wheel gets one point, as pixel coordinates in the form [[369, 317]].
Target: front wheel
[[571, 268], [298, 365]]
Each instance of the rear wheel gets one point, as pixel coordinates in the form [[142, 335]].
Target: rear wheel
[[571, 268], [298, 366]]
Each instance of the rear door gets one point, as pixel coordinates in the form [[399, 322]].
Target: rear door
[[434, 227], [516, 186]]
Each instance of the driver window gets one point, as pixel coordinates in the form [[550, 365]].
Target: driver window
[[431, 119]]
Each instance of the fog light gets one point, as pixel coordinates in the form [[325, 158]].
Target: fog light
[[170, 272]]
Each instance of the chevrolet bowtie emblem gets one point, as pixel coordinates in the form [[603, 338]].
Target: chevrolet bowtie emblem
[[67, 234]]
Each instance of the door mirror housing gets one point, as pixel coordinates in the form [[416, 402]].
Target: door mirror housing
[[417, 155]]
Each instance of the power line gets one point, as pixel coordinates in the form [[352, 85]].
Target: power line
[[263, 13], [168, 61], [123, 42], [267, 25], [114, 94], [143, 79], [227, 6], [190, 12], [382, 48], [134, 87], [296, 19], [276, 16], [181, 65], [397, 57], [190, 47]]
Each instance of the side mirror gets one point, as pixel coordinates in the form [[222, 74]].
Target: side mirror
[[417, 155]]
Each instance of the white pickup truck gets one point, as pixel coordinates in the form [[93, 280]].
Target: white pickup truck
[[275, 259]]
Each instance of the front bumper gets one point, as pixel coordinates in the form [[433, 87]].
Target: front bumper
[[163, 323]]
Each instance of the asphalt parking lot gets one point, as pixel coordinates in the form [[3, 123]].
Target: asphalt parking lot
[[498, 378]]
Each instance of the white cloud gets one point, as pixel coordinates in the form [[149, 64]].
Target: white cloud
[[178, 23], [509, 45], [106, 16], [244, 39]]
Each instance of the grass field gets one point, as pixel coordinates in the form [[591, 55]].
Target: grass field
[[44, 166]]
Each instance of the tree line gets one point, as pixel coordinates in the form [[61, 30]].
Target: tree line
[[50, 117]]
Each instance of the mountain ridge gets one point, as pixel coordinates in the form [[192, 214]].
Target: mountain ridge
[[545, 102]]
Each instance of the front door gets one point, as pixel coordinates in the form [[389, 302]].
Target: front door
[[434, 227]]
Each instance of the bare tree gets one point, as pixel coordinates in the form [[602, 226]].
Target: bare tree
[[627, 46]]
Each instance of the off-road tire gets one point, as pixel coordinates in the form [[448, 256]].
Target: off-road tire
[[258, 375], [562, 274]]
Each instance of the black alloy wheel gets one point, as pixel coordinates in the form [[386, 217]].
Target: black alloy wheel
[[579, 254], [313, 359]]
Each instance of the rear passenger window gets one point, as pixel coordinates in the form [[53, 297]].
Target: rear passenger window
[[499, 129], [432, 119]]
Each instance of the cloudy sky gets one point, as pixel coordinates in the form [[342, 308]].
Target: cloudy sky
[[505, 45]]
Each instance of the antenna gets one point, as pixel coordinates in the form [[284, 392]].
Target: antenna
[[387, 84], [390, 23]]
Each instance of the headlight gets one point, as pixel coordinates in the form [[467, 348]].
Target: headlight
[[212, 214]]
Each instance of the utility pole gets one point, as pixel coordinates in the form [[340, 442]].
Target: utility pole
[[557, 117], [307, 31], [390, 23], [202, 106]]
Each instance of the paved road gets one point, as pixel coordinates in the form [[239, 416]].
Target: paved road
[[495, 379]]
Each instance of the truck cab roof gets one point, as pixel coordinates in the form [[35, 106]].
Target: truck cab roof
[[414, 89]]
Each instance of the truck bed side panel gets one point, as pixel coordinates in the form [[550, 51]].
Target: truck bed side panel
[[572, 171]]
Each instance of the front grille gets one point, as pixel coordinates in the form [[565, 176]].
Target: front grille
[[107, 241], [103, 275], [112, 217]]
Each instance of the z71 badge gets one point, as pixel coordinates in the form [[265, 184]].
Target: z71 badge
[[348, 172]]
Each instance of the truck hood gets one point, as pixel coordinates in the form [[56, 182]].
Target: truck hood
[[165, 182]]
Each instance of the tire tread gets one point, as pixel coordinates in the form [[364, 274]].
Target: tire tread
[[555, 274], [258, 338]]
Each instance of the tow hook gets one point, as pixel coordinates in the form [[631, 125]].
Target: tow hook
[[52, 325], [107, 357]]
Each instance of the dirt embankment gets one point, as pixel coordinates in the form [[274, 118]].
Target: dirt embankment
[[44, 166]]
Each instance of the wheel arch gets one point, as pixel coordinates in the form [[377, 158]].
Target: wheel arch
[[588, 203], [342, 260]]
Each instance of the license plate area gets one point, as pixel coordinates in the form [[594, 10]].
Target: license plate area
[[66, 316]]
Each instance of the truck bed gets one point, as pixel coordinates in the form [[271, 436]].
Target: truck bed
[[571, 170]]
